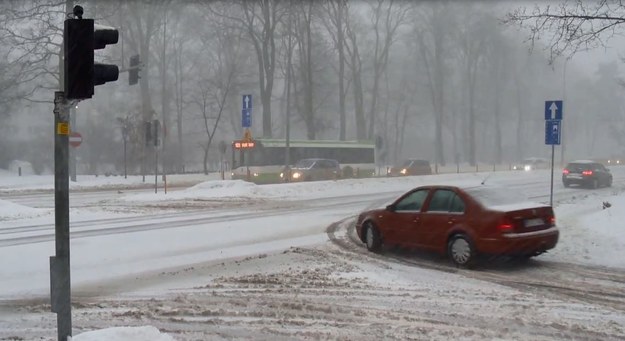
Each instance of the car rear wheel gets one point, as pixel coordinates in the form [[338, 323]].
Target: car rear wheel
[[372, 237], [594, 184], [609, 184], [566, 184], [461, 251]]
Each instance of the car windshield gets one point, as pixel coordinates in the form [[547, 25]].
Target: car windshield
[[494, 196], [304, 163]]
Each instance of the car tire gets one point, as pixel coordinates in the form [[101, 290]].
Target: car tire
[[373, 240], [461, 251], [609, 184], [566, 184], [594, 184]]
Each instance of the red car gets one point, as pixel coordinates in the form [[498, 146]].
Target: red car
[[462, 222]]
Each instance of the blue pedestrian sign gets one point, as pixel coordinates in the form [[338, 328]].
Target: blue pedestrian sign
[[552, 132], [246, 112], [246, 118], [554, 110]]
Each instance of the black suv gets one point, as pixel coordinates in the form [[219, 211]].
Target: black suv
[[586, 173]]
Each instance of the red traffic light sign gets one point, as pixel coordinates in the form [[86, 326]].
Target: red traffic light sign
[[75, 139]]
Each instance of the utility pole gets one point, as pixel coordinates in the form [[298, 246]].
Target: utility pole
[[79, 75], [60, 283]]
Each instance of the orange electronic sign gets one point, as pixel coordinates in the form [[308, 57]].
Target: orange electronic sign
[[243, 144]]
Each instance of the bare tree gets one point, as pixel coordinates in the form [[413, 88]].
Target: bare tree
[[431, 31], [355, 65], [571, 26], [386, 17], [336, 25], [34, 32], [214, 89]]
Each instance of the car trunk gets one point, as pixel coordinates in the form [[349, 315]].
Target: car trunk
[[530, 219]]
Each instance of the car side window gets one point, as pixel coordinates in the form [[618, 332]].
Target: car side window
[[413, 201], [441, 201], [457, 204]]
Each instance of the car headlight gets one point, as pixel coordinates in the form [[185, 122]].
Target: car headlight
[[527, 167], [296, 175], [281, 175], [403, 171], [255, 174]]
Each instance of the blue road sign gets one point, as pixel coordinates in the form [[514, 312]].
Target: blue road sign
[[246, 102], [246, 118], [554, 110], [552, 132]]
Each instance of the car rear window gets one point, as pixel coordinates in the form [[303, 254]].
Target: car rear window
[[496, 196], [578, 167]]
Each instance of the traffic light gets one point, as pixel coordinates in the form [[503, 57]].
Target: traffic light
[[102, 36], [81, 37], [133, 71]]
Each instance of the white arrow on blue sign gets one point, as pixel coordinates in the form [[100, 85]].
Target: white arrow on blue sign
[[247, 102], [554, 110], [552, 132], [246, 112]]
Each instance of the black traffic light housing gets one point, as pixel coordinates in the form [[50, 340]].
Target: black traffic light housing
[[80, 38], [133, 70]]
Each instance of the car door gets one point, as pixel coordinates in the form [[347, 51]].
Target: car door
[[444, 210], [405, 219]]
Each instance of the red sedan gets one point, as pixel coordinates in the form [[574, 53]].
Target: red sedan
[[462, 222]]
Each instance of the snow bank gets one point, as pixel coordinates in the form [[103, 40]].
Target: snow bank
[[147, 333]]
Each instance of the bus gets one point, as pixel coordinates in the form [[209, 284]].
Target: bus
[[267, 160]]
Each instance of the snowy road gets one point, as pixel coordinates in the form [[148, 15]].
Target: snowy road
[[269, 266]]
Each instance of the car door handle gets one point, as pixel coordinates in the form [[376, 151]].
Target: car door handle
[[451, 221]]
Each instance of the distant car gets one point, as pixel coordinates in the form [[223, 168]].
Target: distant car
[[314, 169], [586, 173], [461, 223], [532, 163], [411, 167]]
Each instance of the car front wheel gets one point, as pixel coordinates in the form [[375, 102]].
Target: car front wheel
[[461, 251], [372, 237]]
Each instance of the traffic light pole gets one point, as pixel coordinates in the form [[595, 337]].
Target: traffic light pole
[[60, 283]]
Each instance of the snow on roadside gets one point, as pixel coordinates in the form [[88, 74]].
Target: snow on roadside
[[9, 210], [146, 333]]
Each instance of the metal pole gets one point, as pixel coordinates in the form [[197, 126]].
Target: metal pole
[[72, 154], [155, 170], [60, 284], [125, 167], [287, 158], [562, 135], [553, 148]]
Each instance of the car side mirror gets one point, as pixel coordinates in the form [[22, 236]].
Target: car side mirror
[[390, 208]]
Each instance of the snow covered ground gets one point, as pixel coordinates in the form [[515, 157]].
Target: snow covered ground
[[233, 260]]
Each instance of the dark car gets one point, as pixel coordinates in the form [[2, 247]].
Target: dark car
[[462, 223], [315, 169], [586, 173], [411, 167]]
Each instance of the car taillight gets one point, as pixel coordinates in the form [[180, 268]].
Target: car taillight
[[551, 220], [505, 225], [565, 171], [587, 172]]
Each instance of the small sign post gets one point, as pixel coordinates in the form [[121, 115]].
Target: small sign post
[[554, 111]]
